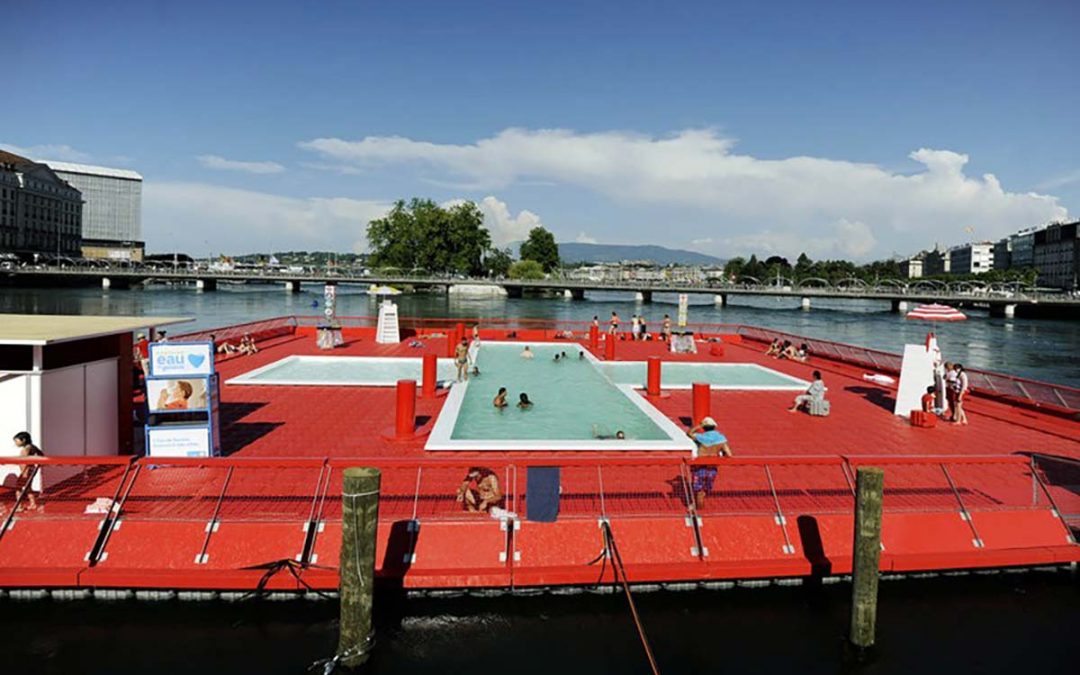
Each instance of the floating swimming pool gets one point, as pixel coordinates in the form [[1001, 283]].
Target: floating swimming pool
[[682, 374], [575, 406], [356, 371]]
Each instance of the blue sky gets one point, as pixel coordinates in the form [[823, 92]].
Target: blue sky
[[845, 129]]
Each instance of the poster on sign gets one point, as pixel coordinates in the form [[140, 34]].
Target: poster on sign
[[330, 303], [178, 442], [171, 395], [181, 359], [684, 307]]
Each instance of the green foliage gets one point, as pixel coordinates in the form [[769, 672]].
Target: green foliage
[[423, 235], [527, 270], [541, 247], [497, 262]]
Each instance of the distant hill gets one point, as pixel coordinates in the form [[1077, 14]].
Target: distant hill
[[573, 252]]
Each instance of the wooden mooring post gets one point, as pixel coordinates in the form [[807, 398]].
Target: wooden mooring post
[[869, 485], [359, 519]]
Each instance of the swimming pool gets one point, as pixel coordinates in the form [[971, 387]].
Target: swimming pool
[[355, 371], [682, 374], [573, 404]]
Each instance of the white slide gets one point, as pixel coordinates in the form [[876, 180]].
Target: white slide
[[916, 374]]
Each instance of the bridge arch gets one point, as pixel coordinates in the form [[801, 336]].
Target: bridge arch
[[813, 282], [852, 283]]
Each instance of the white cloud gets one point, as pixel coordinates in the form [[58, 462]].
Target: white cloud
[[222, 164], [789, 201], [1060, 180], [583, 238], [202, 218], [842, 239], [58, 152], [505, 227]]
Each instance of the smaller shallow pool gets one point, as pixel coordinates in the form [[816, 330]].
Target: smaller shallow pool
[[683, 374], [355, 371]]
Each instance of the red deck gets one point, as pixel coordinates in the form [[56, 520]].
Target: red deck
[[956, 497]]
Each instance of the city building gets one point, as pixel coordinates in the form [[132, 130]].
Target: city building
[[1056, 253], [112, 209], [1023, 249], [972, 258], [912, 268], [936, 262], [1003, 253], [40, 213]]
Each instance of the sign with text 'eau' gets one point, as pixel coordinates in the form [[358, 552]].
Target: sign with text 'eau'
[[181, 359]]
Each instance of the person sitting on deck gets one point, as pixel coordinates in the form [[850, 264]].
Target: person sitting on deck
[[787, 352], [802, 353], [774, 348], [711, 443], [479, 490], [928, 399], [815, 392], [247, 345], [224, 347], [500, 399], [527, 353], [523, 401]]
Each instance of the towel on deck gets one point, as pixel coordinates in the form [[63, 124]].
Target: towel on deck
[[542, 494]]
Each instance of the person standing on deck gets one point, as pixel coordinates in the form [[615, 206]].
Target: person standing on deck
[[665, 330], [461, 359], [950, 391], [613, 325], [29, 478], [961, 387], [710, 443]]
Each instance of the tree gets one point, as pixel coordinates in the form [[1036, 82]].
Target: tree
[[803, 266], [498, 262], [526, 269], [424, 235], [541, 247], [733, 269]]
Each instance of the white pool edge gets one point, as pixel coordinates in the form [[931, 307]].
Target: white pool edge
[[248, 378]]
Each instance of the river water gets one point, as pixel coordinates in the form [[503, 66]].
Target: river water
[[1040, 349]]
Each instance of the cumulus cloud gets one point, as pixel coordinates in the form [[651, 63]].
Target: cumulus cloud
[[504, 226], [58, 152], [222, 164], [199, 217], [734, 197]]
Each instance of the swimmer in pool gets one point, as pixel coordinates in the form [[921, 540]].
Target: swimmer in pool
[[527, 353], [500, 399], [523, 401]]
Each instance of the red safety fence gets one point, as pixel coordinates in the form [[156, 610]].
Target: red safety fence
[[116, 521]]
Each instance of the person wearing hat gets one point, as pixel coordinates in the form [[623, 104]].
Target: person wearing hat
[[710, 443]]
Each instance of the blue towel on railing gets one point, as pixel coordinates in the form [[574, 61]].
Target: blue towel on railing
[[542, 494]]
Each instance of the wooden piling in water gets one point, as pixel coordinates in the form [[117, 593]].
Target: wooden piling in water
[[359, 519], [869, 486]]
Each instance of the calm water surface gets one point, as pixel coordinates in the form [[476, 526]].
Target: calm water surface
[[1040, 349], [1005, 623]]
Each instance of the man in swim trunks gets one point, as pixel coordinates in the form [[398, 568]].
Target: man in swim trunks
[[461, 360], [711, 443]]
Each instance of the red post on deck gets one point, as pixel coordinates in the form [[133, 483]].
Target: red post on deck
[[653, 381], [594, 337], [451, 341], [609, 347], [406, 408], [702, 401], [459, 330], [431, 372]]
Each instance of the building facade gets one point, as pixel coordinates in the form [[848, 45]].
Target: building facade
[[40, 213], [912, 268], [936, 262], [112, 209], [1056, 254], [973, 258], [1023, 249], [1003, 254]]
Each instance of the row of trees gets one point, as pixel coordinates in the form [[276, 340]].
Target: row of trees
[[837, 270], [421, 234]]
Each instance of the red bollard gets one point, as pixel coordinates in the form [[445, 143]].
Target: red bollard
[[430, 374], [609, 347], [702, 401], [406, 409], [452, 340], [653, 381], [594, 337]]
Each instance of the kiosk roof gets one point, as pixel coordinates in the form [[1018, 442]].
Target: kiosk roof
[[45, 329]]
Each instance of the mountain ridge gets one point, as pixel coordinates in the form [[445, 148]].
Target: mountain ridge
[[575, 252]]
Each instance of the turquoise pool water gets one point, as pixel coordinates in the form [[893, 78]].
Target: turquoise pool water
[[342, 370], [571, 399], [674, 374]]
